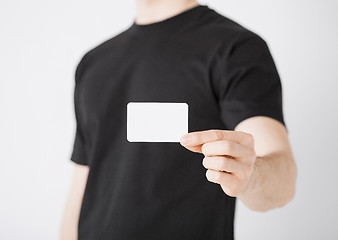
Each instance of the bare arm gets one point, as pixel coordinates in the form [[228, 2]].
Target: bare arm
[[253, 163], [272, 183], [71, 213]]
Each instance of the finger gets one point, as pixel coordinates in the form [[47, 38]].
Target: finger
[[197, 149], [227, 181], [222, 164], [223, 147], [201, 137]]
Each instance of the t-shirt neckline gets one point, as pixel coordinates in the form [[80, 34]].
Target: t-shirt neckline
[[168, 22]]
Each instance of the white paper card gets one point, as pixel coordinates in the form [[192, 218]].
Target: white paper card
[[156, 121]]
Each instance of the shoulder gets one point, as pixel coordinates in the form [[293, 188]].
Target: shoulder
[[102, 49], [228, 32]]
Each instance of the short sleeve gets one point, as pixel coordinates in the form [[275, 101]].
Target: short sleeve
[[249, 84], [79, 154]]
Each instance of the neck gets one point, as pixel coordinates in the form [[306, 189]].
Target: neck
[[151, 11]]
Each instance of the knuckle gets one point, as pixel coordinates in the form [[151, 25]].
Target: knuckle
[[217, 134], [252, 153], [246, 173], [250, 138], [237, 181], [228, 147], [242, 178], [217, 176], [222, 163]]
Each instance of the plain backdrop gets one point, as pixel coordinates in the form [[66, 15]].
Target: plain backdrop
[[41, 41]]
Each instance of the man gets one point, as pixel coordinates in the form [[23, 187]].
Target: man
[[237, 145]]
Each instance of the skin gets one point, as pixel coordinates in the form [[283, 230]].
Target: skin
[[151, 11], [261, 171], [71, 212], [253, 163]]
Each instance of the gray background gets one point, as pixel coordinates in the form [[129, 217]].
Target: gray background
[[40, 44]]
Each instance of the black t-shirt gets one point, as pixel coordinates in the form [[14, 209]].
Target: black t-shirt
[[158, 190]]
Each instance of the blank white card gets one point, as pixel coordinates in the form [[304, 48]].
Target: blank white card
[[156, 121]]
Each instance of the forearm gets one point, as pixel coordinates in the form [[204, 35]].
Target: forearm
[[272, 183], [72, 208], [68, 228]]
